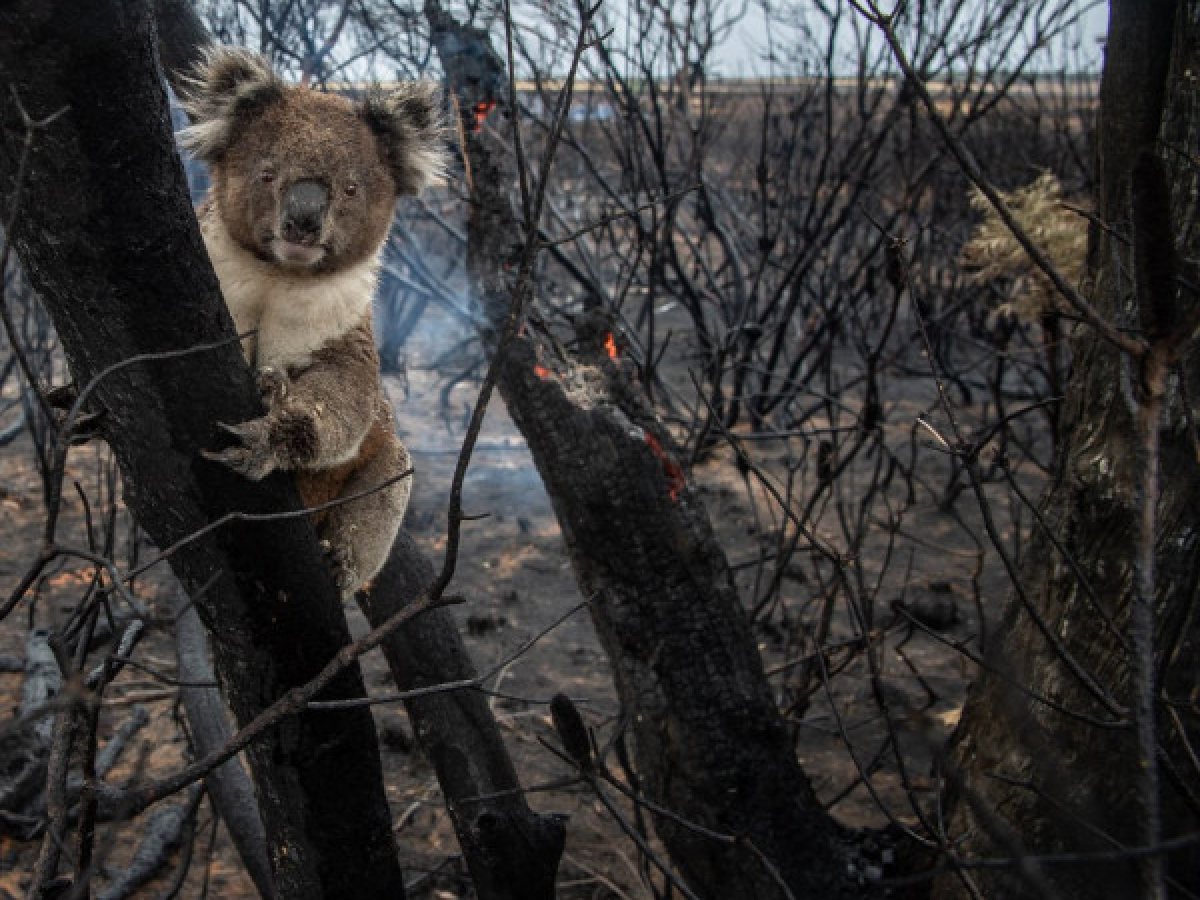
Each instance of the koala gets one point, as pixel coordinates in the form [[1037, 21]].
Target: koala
[[304, 186]]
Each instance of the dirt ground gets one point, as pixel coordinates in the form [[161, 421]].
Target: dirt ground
[[517, 580]]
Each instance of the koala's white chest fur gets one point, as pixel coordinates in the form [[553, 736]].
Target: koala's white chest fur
[[295, 314]]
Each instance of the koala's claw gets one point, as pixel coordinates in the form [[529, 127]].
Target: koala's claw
[[254, 459], [347, 582], [272, 386], [344, 573]]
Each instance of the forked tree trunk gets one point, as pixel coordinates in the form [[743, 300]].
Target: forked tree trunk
[[1054, 781], [512, 852], [710, 744], [107, 235]]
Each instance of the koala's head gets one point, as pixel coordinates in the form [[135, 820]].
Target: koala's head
[[303, 179]]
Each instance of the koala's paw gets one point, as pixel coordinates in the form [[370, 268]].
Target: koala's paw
[[345, 574], [272, 386], [254, 458]]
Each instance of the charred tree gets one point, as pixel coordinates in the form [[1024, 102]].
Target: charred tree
[[1036, 778], [512, 853], [710, 744], [510, 850], [107, 235]]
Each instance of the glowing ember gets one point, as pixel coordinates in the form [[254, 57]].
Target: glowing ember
[[610, 346], [541, 372], [481, 111], [671, 469]]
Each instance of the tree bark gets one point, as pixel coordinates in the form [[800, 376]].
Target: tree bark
[[511, 852], [1059, 782], [710, 744], [107, 235]]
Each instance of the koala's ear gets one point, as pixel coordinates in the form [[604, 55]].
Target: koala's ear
[[407, 122], [227, 84]]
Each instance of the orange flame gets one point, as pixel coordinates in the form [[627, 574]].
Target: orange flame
[[541, 372], [481, 111], [610, 346], [671, 469]]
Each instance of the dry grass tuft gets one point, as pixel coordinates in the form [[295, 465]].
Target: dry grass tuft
[[992, 250]]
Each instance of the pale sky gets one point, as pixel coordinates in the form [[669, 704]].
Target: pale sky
[[745, 52]]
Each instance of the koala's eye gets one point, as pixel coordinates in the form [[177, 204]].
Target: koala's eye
[[351, 189], [266, 176]]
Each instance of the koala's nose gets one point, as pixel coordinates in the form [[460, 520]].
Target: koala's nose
[[304, 207]]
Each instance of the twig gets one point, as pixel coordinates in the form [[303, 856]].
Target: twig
[[1015, 683], [294, 701], [445, 686], [65, 732], [1133, 346], [619, 214], [522, 287], [239, 516], [50, 550], [32, 126], [968, 453], [1051, 859]]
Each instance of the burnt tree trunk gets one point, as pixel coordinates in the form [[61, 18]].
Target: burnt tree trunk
[[710, 744], [107, 235], [510, 851], [1056, 781]]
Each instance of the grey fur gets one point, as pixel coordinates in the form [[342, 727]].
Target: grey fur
[[228, 82]]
